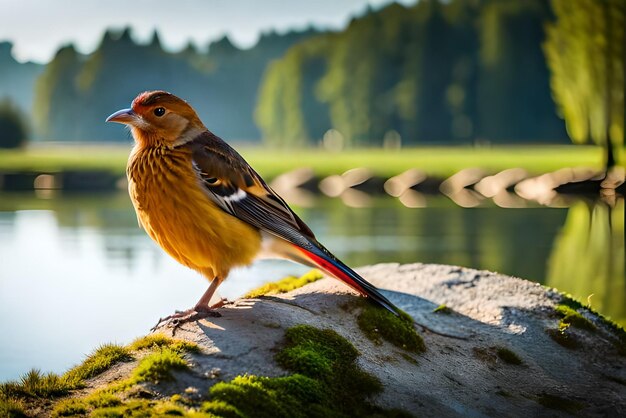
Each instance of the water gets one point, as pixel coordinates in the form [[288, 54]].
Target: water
[[76, 271]]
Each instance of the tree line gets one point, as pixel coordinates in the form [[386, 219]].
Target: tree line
[[459, 71]]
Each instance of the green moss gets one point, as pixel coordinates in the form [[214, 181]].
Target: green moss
[[559, 403], [285, 285], [326, 382], [564, 337], [618, 332], [508, 356], [378, 324], [265, 397], [569, 301], [569, 316], [157, 366], [152, 341], [443, 309]]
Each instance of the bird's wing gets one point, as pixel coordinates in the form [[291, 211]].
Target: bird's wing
[[239, 190]]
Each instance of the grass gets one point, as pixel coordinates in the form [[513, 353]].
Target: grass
[[435, 161], [36, 386], [285, 285], [152, 341], [102, 359], [158, 366]]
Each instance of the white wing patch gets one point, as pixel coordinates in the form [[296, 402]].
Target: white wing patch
[[236, 197]]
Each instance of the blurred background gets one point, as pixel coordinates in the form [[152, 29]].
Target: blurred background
[[482, 133]]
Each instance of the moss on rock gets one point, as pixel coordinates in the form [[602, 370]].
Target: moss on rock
[[325, 381], [379, 324], [570, 316]]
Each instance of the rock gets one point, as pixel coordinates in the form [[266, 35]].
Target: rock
[[492, 345], [454, 376]]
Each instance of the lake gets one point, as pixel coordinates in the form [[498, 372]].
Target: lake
[[76, 271]]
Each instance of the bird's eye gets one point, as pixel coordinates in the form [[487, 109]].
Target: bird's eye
[[159, 111], [213, 181]]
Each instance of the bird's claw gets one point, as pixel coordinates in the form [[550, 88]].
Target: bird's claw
[[182, 317]]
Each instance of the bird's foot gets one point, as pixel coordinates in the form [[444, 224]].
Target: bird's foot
[[190, 315]]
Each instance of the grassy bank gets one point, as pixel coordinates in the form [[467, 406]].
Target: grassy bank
[[439, 161]]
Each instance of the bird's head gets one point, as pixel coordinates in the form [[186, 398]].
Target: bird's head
[[160, 118]]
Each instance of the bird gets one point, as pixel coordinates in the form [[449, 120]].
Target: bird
[[205, 206]]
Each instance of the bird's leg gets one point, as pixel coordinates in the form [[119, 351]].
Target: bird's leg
[[201, 309]]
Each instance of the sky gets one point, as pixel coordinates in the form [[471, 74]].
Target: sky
[[38, 28]]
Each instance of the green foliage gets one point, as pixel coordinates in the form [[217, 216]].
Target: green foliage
[[378, 324], [436, 71], [585, 52], [513, 96], [285, 285], [75, 93], [12, 126]]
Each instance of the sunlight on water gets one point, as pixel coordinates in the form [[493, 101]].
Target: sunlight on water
[[76, 271]]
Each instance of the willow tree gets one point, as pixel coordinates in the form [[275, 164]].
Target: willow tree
[[585, 53]]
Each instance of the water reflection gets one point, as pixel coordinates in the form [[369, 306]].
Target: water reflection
[[76, 271], [588, 257]]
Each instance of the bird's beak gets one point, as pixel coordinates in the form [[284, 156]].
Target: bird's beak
[[125, 116]]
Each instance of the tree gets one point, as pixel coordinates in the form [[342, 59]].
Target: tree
[[513, 89], [12, 127], [585, 53]]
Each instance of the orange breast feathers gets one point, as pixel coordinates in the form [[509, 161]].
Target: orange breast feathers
[[176, 212]]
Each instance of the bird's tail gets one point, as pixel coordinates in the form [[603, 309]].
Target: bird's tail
[[323, 259]]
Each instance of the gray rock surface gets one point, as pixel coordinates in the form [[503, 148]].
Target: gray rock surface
[[460, 373]]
